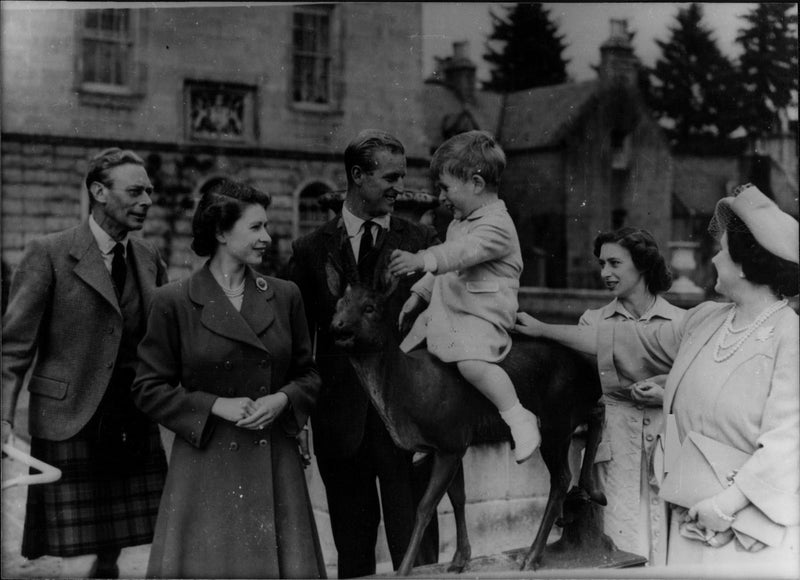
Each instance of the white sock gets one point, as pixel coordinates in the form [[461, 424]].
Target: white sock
[[515, 414]]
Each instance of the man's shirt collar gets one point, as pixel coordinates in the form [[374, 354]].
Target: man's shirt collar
[[104, 241], [353, 223]]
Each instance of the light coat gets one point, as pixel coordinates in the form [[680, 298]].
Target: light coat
[[750, 401], [235, 504], [473, 295]]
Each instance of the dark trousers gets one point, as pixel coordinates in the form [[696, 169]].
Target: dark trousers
[[355, 508]]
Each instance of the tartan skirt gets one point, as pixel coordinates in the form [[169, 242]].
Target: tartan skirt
[[93, 508]]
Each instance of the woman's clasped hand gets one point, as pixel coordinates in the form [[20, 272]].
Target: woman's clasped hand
[[250, 414]]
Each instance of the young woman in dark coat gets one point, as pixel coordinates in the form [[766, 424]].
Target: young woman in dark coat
[[226, 364]]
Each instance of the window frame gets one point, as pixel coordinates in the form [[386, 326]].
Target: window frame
[[332, 54], [134, 69]]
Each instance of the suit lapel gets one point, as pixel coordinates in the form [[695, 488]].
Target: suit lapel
[[339, 254], [257, 307], [218, 315], [387, 238], [90, 266], [337, 244], [145, 268], [696, 340]]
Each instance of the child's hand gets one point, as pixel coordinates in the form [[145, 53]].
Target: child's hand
[[405, 263]]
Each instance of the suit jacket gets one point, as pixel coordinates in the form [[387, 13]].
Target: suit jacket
[[63, 314], [323, 265]]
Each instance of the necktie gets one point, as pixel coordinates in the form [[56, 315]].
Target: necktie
[[366, 241], [118, 268]]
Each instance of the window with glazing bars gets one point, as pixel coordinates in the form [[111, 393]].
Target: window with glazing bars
[[312, 55], [107, 46]]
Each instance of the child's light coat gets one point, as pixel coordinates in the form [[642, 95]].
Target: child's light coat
[[473, 295]]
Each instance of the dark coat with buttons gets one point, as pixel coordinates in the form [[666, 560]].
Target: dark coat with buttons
[[64, 320], [235, 504]]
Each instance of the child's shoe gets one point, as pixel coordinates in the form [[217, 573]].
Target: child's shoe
[[524, 430]]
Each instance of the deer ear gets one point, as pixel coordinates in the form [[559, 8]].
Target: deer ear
[[334, 280], [386, 283]]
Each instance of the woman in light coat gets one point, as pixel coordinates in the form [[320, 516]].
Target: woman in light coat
[[734, 380], [226, 364]]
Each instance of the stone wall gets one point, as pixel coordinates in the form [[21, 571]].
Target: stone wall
[[43, 190], [377, 72]]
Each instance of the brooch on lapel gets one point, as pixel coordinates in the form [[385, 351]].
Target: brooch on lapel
[[764, 333], [261, 284]]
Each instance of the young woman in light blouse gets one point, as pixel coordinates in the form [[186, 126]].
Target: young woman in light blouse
[[635, 272], [734, 379]]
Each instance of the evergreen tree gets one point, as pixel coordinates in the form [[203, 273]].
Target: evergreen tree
[[692, 85], [531, 50], [767, 67]]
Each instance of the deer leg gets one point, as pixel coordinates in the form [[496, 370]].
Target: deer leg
[[555, 448], [458, 498], [444, 468], [588, 481]]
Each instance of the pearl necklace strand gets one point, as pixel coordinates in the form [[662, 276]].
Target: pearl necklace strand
[[728, 329], [234, 292]]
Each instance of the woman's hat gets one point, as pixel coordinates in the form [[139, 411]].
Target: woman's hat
[[774, 229]]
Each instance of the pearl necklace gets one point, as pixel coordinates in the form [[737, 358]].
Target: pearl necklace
[[234, 292], [728, 329]]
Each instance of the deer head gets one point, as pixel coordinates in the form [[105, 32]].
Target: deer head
[[360, 323]]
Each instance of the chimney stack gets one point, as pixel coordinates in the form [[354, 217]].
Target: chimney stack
[[459, 72], [618, 63]]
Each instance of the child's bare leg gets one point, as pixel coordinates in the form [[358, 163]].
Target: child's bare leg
[[495, 384]]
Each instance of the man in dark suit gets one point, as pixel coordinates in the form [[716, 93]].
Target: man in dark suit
[[351, 443], [75, 316]]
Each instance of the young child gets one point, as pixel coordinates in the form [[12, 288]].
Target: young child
[[472, 280]]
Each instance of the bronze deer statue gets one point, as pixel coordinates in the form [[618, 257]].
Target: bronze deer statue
[[427, 406]]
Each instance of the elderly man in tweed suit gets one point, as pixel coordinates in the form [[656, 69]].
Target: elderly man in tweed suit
[[75, 316]]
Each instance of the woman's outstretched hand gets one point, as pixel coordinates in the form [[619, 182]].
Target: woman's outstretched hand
[[528, 325]]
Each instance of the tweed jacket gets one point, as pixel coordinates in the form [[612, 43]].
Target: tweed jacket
[[322, 265], [751, 401], [473, 296], [64, 319]]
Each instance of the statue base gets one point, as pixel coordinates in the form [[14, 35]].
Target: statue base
[[511, 560], [582, 545]]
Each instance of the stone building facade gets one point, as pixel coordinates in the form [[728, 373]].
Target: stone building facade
[[271, 94], [266, 94], [582, 157]]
